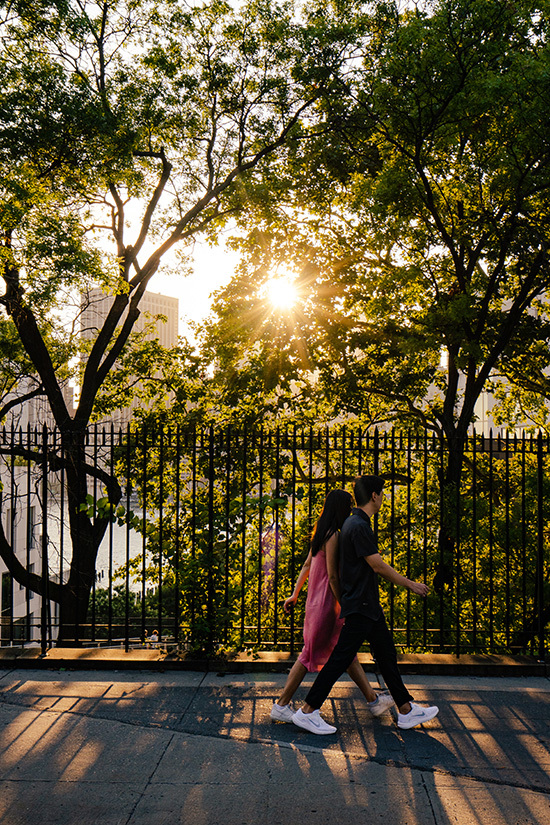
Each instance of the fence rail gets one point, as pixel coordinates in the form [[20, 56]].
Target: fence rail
[[211, 528]]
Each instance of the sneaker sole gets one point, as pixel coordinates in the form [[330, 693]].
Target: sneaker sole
[[316, 731], [417, 723]]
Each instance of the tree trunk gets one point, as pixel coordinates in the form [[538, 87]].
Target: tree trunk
[[86, 537], [73, 610], [449, 502]]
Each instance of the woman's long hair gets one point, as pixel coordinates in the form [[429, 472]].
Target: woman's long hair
[[336, 509]]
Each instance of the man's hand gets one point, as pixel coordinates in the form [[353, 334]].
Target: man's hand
[[419, 588]]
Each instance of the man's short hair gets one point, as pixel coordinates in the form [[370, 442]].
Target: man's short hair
[[365, 486]]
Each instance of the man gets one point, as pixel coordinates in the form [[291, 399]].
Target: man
[[360, 566]]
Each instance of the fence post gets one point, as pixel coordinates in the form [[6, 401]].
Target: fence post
[[144, 504], [210, 606], [177, 596], [540, 548], [29, 536], [12, 528], [474, 540], [260, 534], [44, 603], [293, 529], [458, 593], [243, 528], [127, 562], [276, 512]]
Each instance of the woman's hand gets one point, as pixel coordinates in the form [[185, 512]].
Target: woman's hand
[[289, 603]]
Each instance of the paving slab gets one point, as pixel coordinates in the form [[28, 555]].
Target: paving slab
[[458, 801], [66, 747], [326, 790], [65, 803]]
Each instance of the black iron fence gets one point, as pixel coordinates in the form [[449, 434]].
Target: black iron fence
[[210, 527]]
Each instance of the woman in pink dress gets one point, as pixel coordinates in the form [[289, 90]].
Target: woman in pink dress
[[322, 624]]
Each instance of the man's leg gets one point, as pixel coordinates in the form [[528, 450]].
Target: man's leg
[[352, 636], [383, 649], [385, 654]]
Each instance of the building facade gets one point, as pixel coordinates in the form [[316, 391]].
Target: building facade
[[20, 491]]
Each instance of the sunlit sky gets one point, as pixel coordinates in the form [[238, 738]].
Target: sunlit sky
[[213, 268], [281, 291]]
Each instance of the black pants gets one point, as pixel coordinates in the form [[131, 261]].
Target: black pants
[[358, 629]]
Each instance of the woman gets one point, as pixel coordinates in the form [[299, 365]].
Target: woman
[[322, 624]]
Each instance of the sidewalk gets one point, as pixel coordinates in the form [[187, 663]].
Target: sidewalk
[[141, 748]]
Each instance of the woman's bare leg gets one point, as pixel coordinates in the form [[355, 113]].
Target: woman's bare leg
[[360, 678], [293, 682]]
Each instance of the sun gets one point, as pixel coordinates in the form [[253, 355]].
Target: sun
[[281, 292]]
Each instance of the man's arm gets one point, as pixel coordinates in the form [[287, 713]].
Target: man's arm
[[387, 572]]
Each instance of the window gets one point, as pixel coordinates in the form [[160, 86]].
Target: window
[[6, 594]]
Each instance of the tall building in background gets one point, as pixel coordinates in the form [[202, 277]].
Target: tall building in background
[[95, 308], [36, 412], [96, 304]]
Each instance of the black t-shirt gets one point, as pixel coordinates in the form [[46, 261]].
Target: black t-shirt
[[358, 581]]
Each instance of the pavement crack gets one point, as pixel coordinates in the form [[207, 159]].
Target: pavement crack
[[192, 698], [434, 816], [140, 796]]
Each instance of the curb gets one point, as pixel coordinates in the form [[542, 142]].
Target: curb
[[481, 665]]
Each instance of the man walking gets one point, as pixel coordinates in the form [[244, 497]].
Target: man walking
[[360, 566]]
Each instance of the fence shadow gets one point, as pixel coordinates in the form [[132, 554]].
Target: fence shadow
[[141, 748]]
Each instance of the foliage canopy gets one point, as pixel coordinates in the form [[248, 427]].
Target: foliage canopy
[[415, 222], [128, 127]]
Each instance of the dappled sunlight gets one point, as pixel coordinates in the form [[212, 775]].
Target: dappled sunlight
[[82, 761], [478, 736], [50, 739], [183, 749], [29, 736], [56, 688], [472, 803], [536, 750]]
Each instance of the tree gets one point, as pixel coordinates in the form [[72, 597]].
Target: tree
[[418, 234], [128, 127]]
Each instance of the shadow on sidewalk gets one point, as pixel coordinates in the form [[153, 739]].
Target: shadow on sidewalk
[[206, 745]]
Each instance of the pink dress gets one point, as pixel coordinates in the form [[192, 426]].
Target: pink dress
[[322, 624]]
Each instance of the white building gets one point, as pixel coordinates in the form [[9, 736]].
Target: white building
[[36, 411], [95, 306], [19, 608]]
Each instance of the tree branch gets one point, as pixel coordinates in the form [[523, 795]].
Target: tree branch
[[21, 575]]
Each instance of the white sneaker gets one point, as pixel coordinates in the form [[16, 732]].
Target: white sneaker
[[312, 722], [382, 704], [282, 713], [416, 716]]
